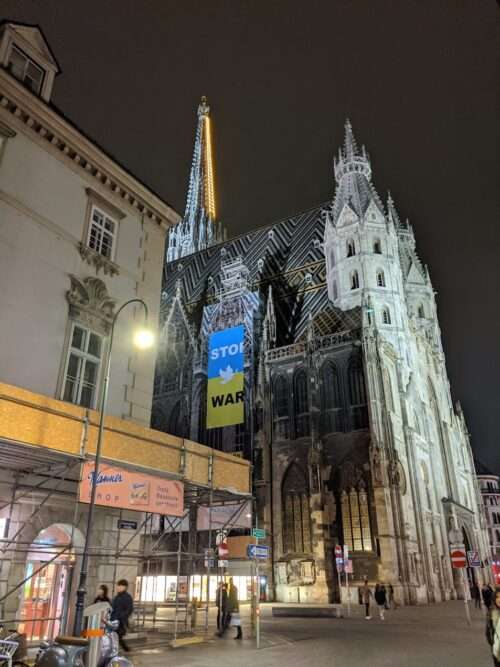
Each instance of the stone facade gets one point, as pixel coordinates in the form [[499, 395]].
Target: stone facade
[[349, 417]]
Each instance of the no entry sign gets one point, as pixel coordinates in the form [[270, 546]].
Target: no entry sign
[[458, 558]]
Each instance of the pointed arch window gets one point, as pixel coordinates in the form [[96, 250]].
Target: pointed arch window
[[301, 404], [356, 519], [357, 395], [331, 399], [380, 278], [386, 316], [281, 409], [335, 291], [354, 280], [296, 512], [377, 247], [351, 248], [421, 311]]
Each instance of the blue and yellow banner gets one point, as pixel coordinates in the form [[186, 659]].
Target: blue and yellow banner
[[225, 389]]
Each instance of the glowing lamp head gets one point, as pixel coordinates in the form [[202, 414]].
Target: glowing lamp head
[[144, 339]]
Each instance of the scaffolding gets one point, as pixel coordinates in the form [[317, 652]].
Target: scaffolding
[[48, 477]]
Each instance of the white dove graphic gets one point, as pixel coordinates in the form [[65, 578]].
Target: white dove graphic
[[226, 374]]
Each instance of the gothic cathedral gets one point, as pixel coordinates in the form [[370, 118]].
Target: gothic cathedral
[[349, 419]]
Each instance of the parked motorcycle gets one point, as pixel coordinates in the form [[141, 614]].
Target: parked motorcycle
[[72, 651]]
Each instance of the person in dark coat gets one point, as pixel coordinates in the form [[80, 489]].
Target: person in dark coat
[[221, 603], [493, 627], [476, 595], [102, 594], [122, 608], [233, 609], [487, 595], [380, 599]]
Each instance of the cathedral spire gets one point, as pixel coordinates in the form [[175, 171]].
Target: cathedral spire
[[350, 146], [198, 228]]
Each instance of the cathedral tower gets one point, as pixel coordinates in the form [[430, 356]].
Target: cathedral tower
[[199, 228]]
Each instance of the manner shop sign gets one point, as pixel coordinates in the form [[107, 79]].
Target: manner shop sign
[[124, 489]]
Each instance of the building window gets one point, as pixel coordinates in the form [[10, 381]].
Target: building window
[[301, 404], [356, 519], [82, 367], [421, 311], [331, 399], [102, 233], [296, 512], [281, 412], [377, 247], [357, 395], [354, 280], [351, 248], [386, 316], [25, 70], [335, 291], [380, 278]]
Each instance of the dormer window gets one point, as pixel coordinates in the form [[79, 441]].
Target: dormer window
[[26, 70], [351, 248]]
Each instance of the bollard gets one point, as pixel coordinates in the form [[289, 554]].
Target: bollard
[[94, 631]]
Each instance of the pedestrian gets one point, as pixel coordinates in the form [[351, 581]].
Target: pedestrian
[[233, 609], [493, 627], [380, 599], [102, 594], [122, 608], [391, 602], [366, 595], [476, 595], [221, 603], [487, 595]]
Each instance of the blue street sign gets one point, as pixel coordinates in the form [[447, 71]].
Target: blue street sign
[[257, 551]]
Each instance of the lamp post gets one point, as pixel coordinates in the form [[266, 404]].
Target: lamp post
[[143, 339]]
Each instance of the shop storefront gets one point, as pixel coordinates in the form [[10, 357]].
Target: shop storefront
[[162, 588]]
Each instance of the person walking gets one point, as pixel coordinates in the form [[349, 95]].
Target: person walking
[[476, 595], [380, 599], [102, 594], [487, 595], [221, 603], [391, 602], [122, 608], [493, 627], [366, 596], [233, 609]]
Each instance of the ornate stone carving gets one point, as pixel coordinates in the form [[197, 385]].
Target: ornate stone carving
[[94, 258], [376, 463], [90, 303]]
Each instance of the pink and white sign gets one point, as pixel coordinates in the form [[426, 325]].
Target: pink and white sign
[[118, 487]]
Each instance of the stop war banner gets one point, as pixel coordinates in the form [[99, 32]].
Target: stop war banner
[[124, 489]]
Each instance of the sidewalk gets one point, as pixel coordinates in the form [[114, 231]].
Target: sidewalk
[[431, 636]]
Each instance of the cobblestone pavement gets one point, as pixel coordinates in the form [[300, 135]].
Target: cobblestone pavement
[[434, 636]]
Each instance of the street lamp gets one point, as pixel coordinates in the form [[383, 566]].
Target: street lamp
[[143, 339]]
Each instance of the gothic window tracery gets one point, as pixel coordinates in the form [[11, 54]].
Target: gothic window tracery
[[281, 411], [386, 316], [380, 278], [357, 395], [301, 404], [356, 518], [296, 512], [354, 280], [351, 248], [331, 399]]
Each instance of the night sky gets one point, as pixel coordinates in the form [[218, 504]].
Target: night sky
[[418, 79]]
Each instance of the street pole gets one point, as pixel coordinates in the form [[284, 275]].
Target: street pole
[[466, 597], [257, 588], [348, 595], [82, 590]]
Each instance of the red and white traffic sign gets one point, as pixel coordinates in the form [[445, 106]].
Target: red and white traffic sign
[[458, 558], [338, 551]]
